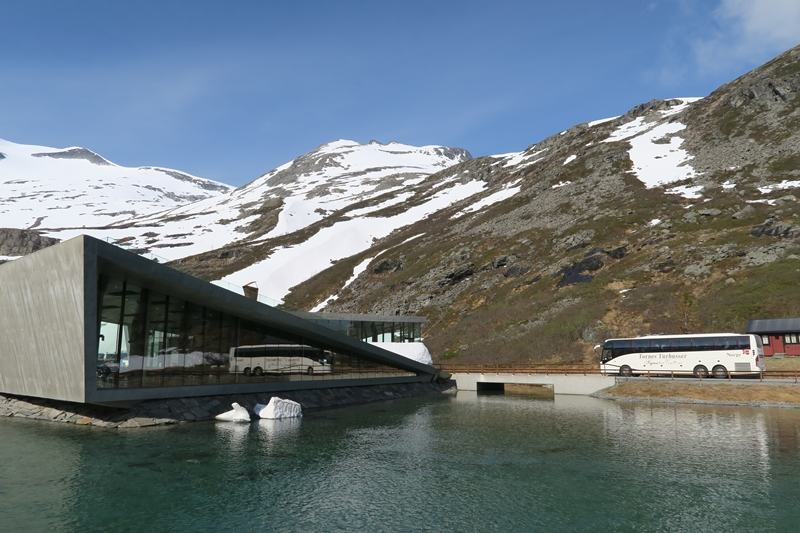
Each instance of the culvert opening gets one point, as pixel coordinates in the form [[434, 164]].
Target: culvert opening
[[491, 387]]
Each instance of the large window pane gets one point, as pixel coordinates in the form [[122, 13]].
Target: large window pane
[[110, 314], [194, 339], [175, 348], [153, 367], [132, 346]]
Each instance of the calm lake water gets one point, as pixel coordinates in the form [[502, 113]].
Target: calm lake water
[[464, 462]]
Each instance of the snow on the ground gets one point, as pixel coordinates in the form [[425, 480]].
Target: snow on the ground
[[654, 222], [570, 159], [305, 190], [638, 125], [9, 257], [769, 202], [506, 192], [656, 152], [361, 267], [687, 191], [416, 351], [686, 101], [660, 163], [287, 267], [785, 184], [560, 184], [519, 159], [629, 129], [601, 121], [46, 188]]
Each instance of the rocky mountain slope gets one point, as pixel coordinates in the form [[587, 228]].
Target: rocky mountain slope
[[680, 215]]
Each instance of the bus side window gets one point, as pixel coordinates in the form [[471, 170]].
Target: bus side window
[[641, 346], [703, 344], [683, 345], [662, 345], [621, 348], [728, 343], [744, 342]]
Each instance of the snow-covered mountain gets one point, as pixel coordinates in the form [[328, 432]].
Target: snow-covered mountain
[[51, 189], [321, 207], [66, 192], [287, 199]]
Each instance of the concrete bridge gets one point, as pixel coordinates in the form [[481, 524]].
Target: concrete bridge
[[563, 381]]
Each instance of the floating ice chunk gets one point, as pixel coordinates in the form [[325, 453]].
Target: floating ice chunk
[[237, 414], [279, 408]]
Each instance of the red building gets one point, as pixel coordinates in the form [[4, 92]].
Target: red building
[[780, 335]]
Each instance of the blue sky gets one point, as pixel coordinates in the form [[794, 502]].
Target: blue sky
[[230, 90]]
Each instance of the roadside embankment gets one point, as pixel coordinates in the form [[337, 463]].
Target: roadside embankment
[[175, 410], [704, 392]]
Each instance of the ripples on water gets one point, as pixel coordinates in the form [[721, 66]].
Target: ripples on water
[[454, 463]]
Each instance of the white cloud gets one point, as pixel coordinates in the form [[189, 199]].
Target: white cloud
[[750, 31]]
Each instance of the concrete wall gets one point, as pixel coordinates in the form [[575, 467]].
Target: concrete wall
[[42, 342], [562, 384]]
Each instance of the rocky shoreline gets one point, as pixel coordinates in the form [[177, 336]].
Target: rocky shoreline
[[179, 410]]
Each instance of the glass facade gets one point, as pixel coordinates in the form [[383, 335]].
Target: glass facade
[[150, 339], [375, 331]]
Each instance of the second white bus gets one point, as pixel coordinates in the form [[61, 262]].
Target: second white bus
[[717, 354]]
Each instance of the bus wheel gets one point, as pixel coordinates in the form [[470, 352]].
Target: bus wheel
[[720, 372], [626, 371], [310, 371], [257, 371], [700, 372], [246, 371]]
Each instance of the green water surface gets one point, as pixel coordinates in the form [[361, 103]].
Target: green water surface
[[465, 462]]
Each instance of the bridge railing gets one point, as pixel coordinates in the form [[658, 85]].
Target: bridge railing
[[518, 368], [585, 369]]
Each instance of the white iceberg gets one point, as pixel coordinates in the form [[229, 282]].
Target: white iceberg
[[237, 414], [279, 408]]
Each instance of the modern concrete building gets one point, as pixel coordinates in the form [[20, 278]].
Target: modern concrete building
[[86, 321]]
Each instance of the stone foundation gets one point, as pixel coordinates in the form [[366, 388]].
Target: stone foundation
[[173, 411]]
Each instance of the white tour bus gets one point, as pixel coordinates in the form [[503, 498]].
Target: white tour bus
[[262, 359], [720, 354]]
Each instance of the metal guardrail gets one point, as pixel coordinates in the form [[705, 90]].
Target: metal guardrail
[[523, 368]]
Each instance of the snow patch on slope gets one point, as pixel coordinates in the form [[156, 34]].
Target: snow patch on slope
[[658, 158], [288, 266]]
